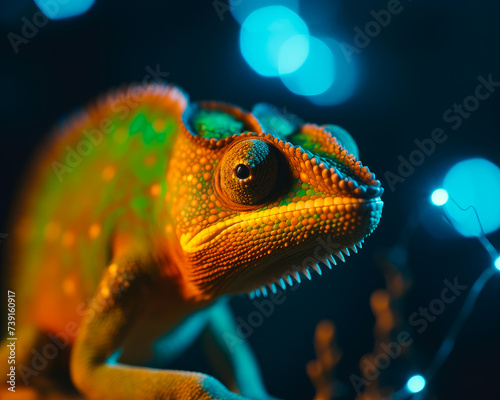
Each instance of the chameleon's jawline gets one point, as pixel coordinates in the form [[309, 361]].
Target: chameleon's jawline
[[191, 244], [299, 257]]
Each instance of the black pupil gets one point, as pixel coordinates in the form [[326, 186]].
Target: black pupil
[[242, 171]]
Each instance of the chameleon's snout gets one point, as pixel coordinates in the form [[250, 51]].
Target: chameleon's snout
[[319, 160]]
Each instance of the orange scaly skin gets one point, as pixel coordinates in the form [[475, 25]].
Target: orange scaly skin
[[145, 209]]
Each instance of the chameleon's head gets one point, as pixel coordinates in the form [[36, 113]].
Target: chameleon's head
[[260, 198]]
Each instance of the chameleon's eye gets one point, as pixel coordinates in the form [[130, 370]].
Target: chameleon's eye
[[248, 173]]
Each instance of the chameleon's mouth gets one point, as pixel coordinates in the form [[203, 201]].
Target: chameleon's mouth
[[299, 266], [326, 206], [293, 274]]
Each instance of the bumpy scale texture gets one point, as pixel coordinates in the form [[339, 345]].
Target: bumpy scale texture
[[145, 208]]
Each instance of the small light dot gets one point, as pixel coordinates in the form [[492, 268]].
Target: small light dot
[[113, 268], [439, 197], [69, 285], [416, 383], [150, 160], [105, 292], [68, 239], [155, 190], [159, 125], [108, 173], [94, 231], [497, 263]]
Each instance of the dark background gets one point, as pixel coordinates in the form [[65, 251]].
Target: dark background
[[428, 58]]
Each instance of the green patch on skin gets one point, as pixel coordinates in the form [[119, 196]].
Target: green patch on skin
[[143, 123], [216, 124], [140, 205], [308, 143], [305, 141], [163, 189], [140, 202], [137, 124], [149, 134]]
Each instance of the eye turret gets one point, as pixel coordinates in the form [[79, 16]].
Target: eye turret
[[249, 172]]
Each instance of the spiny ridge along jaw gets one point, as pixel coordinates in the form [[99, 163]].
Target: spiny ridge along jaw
[[294, 275]]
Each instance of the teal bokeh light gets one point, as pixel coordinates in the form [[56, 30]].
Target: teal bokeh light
[[497, 263], [293, 53], [241, 9], [315, 75], [416, 383], [345, 80], [439, 197], [474, 186], [275, 41], [263, 35], [60, 9]]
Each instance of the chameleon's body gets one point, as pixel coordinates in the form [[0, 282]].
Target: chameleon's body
[[145, 209]]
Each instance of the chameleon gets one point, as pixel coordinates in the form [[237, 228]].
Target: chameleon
[[145, 211]]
